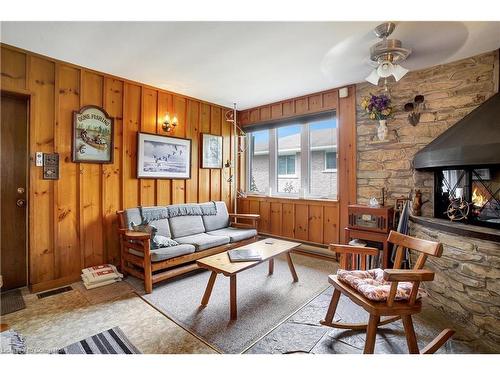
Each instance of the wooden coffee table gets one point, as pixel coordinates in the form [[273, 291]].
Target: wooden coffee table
[[220, 263]]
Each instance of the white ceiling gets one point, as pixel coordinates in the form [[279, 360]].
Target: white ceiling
[[250, 63]]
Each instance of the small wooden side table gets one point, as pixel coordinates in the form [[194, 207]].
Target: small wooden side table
[[371, 236]]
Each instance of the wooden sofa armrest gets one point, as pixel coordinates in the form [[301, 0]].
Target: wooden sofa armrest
[[135, 235], [245, 216], [348, 249], [242, 225], [250, 217], [408, 275]]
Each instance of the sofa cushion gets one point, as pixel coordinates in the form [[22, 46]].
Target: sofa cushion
[[182, 226], [162, 226], [167, 252], [219, 220], [132, 215], [235, 234], [203, 241], [372, 285]]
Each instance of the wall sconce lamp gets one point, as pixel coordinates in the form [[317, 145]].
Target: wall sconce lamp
[[169, 124], [414, 109]]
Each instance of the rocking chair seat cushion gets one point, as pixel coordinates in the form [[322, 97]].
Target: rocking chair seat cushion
[[372, 285]]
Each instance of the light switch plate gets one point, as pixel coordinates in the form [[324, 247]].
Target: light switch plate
[[39, 159]]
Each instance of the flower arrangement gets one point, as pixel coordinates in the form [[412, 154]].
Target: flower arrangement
[[377, 107]]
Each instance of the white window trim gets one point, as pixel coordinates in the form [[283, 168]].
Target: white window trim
[[304, 166]]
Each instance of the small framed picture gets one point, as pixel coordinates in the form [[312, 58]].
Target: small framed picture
[[160, 156], [92, 136], [211, 151]]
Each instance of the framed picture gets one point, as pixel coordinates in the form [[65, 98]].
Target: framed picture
[[211, 151], [92, 136], [160, 156]]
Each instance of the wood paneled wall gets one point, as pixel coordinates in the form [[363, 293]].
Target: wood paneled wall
[[313, 221], [72, 221], [303, 105]]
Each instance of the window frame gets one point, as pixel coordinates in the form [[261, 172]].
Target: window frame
[[304, 162], [286, 174], [330, 170]]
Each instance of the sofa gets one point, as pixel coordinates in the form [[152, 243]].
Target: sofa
[[161, 242]]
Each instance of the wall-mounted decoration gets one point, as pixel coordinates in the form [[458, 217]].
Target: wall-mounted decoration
[[51, 166], [414, 109], [211, 151], [161, 156], [378, 108], [169, 124], [92, 136]]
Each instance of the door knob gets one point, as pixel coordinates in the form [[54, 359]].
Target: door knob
[[20, 203], [20, 190]]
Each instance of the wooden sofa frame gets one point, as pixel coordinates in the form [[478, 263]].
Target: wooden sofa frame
[[145, 269]]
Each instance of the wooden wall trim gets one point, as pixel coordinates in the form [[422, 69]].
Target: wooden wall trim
[[286, 109], [305, 220]]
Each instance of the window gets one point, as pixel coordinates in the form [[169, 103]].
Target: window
[[298, 159], [330, 160], [286, 165], [259, 162], [288, 141]]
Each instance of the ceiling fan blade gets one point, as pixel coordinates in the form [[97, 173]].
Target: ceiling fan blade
[[399, 72], [373, 77]]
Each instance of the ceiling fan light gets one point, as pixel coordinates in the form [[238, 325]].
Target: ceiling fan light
[[399, 72], [373, 77], [385, 69]]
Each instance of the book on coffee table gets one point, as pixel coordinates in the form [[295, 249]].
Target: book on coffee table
[[244, 255]]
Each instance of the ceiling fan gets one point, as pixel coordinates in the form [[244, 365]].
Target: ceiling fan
[[387, 54]]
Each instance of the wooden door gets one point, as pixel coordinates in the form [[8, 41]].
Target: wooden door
[[14, 185]]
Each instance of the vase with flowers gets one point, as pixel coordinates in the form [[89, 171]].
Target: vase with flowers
[[378, 108]]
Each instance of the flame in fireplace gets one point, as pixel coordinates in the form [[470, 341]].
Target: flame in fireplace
[[478, 199]]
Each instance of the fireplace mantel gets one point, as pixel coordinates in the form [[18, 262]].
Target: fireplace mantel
[[467, 230]]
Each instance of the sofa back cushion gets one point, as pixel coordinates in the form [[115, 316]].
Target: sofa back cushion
[[132, 215], [218, 221], [163, 227], [188, 225]]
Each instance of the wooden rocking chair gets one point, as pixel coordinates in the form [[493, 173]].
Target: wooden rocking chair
[[357, 258]]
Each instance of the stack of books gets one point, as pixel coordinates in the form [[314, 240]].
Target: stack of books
[[94, 277]]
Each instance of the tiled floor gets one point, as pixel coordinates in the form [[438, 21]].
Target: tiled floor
[[56, 321], [302, 333], [59, 320]]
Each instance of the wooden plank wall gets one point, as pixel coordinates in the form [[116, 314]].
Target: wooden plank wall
[[302, 219], [72, 220], [312, 221]]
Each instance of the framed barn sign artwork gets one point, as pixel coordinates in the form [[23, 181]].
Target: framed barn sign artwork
[[160, 156], [92, 136], [211, 151]]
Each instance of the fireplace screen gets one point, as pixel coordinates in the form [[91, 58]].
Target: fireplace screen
[[468, 195]]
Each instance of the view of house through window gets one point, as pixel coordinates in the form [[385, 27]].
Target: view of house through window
[[278, 158], [259, 162], [323, 159], [288, 139]]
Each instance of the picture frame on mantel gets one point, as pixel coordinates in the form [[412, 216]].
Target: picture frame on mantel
[[211, 151], [93, 133], [163, 157]]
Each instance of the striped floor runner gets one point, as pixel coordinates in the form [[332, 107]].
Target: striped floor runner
[[112, 341]]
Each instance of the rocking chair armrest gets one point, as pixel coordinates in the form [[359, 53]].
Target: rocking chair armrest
[[348, 249], [408, 275]]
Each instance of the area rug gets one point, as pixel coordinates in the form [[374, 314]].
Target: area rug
[[263, 301], [11, 301], [112, 341]]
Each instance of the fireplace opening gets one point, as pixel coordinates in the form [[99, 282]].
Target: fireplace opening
[[469, 195]]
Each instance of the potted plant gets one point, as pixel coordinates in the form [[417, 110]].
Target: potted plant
[[378, 108]]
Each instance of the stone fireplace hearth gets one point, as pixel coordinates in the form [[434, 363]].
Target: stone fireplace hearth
[[467, 281]]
